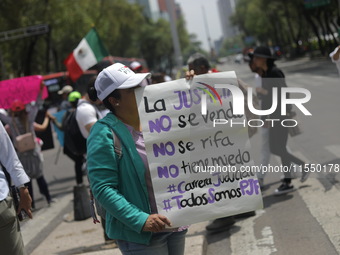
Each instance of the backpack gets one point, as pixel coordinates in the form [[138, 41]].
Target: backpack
[[94, 203], [74, 141]]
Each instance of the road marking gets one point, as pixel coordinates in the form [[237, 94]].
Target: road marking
[[244, 240], [268, 239], [323, 204], [43, 218]]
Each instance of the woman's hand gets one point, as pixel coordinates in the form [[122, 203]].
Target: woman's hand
[[42, 85], [156, 223], [189, 75], [25, 202]]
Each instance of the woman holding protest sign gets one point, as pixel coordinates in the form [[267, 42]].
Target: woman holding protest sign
[[121, 181], [22, 127]]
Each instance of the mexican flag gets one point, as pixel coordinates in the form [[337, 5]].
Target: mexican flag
[[88, 53]]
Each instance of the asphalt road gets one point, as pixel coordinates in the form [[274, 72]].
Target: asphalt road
[[305, 221]]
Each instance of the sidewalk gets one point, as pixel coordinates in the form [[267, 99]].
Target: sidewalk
[[303, 63], [54, 231]]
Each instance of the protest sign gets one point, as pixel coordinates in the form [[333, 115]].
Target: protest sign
[[24, 89], [60, 133], [195, 166]]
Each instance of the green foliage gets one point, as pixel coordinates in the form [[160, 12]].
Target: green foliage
[[122, 27], [232, 46], [287, 23]]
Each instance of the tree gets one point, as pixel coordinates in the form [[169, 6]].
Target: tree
[[288, 23], [123, 28]]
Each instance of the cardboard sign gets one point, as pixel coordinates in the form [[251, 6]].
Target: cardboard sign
[[195, 167], [60, 134], [25, 89]]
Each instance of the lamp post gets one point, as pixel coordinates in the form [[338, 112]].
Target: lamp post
[[174, 34], [212, 52]]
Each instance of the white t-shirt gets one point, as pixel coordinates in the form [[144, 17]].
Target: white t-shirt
[[86, 114], [11, 162], [337, 62]]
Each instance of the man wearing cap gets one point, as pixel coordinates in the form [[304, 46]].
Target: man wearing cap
[[64, 92], [335, 57], [273, 77], [73, 99]]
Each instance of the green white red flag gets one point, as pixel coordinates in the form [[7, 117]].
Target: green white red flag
[[89, 52]]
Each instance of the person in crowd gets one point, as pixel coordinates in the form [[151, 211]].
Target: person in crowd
[[157, 78], [199, 64], [78, 160], [335, 57], [123, 185], [167, 77], [265, 150], [278, 134], [21, 121], [89, 112], [137, 67], [64, 92], [10, 235]]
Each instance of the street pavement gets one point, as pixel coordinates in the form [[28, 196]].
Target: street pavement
[[306, 221]]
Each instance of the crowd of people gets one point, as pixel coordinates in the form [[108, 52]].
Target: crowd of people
[[105, 112]]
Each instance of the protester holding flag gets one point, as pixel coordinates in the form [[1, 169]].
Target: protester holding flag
[[122, 185]]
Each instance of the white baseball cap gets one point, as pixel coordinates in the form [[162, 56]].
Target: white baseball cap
[[65, 89], [117, 76], [135, 65]]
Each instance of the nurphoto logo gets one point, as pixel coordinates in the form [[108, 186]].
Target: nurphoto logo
[[238, 104]]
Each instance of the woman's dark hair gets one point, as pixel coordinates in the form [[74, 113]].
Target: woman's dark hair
[[91, 90], [197, 60], [74, 103], [157, 78], [115, 94]]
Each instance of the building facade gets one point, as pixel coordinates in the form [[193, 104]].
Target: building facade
[[226, 9]]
